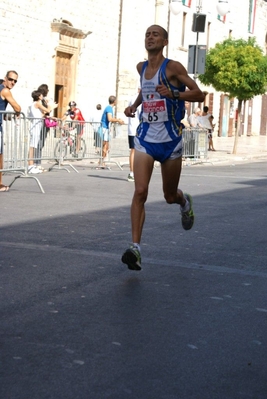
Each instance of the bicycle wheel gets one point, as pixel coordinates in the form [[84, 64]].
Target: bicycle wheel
[[60, 151], [81, 153]]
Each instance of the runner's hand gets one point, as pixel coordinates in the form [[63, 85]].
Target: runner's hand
[[130, 111], [164, 91]]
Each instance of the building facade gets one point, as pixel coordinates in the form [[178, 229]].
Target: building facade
[[88, 50]]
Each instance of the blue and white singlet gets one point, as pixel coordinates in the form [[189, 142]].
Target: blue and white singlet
[[160, 116]]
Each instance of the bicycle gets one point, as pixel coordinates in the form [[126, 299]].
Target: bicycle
[[66, 147]]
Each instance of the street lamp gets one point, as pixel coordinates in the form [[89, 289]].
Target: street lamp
[[223, 7], [176, 6]]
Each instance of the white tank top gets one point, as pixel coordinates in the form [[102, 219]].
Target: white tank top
[[35, 112], [154, 111]]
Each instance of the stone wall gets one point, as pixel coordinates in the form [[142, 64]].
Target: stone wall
[[107, 57]]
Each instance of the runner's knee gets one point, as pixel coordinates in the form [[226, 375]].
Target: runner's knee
[[141, 193]]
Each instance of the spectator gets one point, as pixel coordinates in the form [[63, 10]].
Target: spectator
[[194, 118], [184, 121], [37, 111], [107, 118], [206, 121], [76, 115], [95, 120], [43, 88], [6, 97], [132, 126]]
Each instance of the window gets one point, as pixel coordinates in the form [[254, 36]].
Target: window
[[183, 29], [208, 35]]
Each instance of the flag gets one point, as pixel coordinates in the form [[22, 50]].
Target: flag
[[187, 3], [252, 13]]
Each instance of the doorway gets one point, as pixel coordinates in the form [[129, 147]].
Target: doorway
[[59, 111], [63, 82]]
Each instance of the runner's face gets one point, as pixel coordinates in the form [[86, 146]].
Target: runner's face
[[154, 39]]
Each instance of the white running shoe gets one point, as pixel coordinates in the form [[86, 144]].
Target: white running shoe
[[34, 170]]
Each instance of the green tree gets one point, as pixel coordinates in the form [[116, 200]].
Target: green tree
[[239, 68]]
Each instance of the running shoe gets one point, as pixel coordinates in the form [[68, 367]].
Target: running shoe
[[41, 168], [188, 216], [132, 258], [130, 178], [34, 170]]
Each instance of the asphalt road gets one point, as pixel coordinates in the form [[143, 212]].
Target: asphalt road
[[77, 324]]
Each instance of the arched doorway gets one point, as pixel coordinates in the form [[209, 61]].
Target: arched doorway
[[67, 52]]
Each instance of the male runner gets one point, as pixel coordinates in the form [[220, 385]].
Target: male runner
[[159, 135]]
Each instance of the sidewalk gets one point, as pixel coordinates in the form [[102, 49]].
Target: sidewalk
[[248, 147]]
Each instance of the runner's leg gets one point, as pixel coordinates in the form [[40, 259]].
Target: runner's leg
[[143, 168]]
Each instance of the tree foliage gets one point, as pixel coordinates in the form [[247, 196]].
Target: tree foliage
[[237, 67]]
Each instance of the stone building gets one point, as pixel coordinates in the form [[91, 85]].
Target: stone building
[[87, 50]]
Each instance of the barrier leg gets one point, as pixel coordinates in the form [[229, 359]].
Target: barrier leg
[[29, 177]]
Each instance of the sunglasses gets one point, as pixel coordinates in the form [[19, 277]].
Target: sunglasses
[[12, 80]]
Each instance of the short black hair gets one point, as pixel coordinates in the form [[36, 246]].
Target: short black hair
[[165, 33], [205, 108], [43, 89], [11, 71], [36, 94], [111, 99]]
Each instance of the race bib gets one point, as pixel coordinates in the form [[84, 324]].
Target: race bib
[[155, 111]]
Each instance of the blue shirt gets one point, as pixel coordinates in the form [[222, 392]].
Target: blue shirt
[[104, 119]]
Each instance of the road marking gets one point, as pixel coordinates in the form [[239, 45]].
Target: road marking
[[116, 257]]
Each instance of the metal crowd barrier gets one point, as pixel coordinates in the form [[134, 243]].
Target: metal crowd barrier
[[73, 141], [195, 145], [15, 146], [118, 145], [68, 141]]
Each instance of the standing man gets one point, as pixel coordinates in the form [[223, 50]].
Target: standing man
[[206, 121], [194, 118], [132, 127], [107, 118], [159, 135], [6, 98]]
